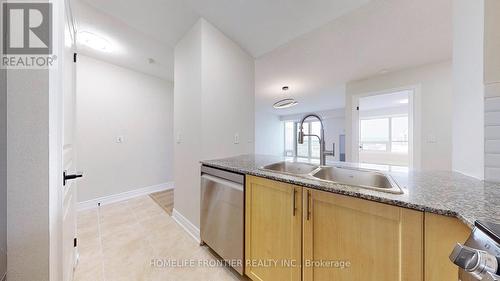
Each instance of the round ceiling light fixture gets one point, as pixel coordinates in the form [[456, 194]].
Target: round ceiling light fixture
[[285, 103], [94, 41]]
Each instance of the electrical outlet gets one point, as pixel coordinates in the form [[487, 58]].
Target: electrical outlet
[[236, 138]]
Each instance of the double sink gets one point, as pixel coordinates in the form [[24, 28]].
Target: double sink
[[335, 174]]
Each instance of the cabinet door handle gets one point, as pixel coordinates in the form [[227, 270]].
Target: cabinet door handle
[[308, 205], [294, 207]]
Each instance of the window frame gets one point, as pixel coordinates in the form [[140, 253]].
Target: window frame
[[295, 143], [390, 140], [294, 147]]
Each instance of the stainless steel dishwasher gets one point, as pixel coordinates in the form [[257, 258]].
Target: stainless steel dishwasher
[[222, 214]]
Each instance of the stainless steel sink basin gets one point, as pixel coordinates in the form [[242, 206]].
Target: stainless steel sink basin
[[334, 174], [294, 168], [357, 177]]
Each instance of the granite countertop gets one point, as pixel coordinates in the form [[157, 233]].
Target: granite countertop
[[441, 192]]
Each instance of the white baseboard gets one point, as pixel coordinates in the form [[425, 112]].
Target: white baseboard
[[85, 205], [187, 225]]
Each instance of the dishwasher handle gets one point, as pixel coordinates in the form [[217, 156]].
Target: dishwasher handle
[[226, 183]]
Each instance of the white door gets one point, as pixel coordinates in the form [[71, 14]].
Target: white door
[[69, 253]]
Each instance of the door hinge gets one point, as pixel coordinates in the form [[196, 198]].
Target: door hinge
[[74, 57], [75, 242]]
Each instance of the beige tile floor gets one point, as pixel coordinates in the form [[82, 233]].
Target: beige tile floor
[[117, 242]]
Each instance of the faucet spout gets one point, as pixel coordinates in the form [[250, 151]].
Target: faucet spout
[[321, 137]]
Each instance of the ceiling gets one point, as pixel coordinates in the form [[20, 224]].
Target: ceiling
[[381, 36], [315, 47], [260, 26], [163, 20], [131, 48], [151, 28]]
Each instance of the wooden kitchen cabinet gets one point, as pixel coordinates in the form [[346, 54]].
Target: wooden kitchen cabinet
[[314, 235], [381, 242], [273, 230], [441, 235]]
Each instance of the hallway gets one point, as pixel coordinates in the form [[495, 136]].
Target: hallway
[[118, 242]]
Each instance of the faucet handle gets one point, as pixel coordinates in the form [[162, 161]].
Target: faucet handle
[[300, 139], [329, 152]]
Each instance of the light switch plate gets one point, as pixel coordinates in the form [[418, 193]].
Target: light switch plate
[[119, 139], [431, 138]]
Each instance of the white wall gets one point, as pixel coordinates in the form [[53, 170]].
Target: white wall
[[3, 173], [34, 174], [468, 87], [187, 124], [435, 89], [492, 42], [28, 175], [214, 100], [492, 89], [334, 122], [114, 101], [269, 134], [228, 94]]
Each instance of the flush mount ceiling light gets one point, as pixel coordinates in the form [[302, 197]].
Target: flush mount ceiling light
[[94, 41], [285, 103]]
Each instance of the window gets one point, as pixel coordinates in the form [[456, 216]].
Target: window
[[374, 134], [387, 134], [315, 147], [310, 147], [399, 134], [289, 139]]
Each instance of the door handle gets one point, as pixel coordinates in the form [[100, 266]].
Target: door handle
[[294, 207], [67, 177]]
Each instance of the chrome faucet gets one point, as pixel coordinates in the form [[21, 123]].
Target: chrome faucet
[[322, 152]]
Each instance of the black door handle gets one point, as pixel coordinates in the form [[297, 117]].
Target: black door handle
[[67, 177]]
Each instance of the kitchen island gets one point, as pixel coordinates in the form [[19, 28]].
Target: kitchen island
[[439, 192], [294, 217]]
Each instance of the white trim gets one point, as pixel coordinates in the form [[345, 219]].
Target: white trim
[[188, 226], [93, 203]]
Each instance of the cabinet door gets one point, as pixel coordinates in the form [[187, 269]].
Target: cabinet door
[[441, 235], [368, 240], [273, 225]]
